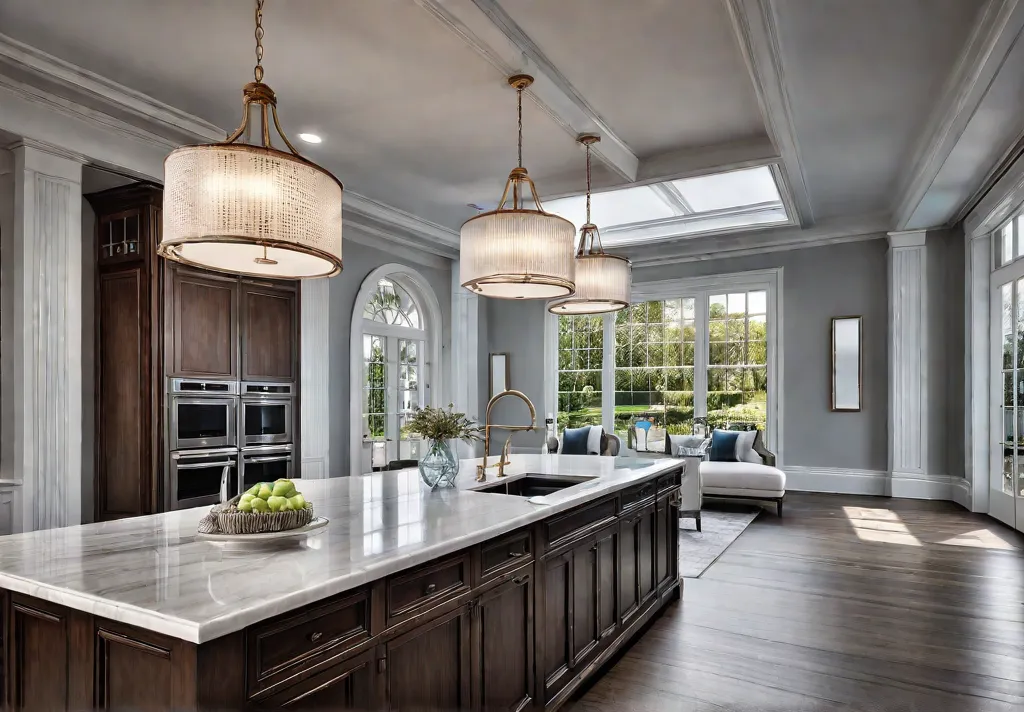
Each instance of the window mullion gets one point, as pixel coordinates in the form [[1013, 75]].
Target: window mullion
[[608, 374], [702, 337]]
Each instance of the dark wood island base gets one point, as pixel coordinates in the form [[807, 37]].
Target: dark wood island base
[[515, 623]]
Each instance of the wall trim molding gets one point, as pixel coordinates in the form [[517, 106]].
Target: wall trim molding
[[878, 483]]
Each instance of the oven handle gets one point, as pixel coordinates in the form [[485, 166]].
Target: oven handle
[[199, 465], [261, 460]]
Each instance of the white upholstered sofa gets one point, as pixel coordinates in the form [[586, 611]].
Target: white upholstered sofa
[[753, 476]]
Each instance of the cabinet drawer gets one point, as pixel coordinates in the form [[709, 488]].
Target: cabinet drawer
[[423, 588], [579, 523], [638, 495], [282, 647], [668, 482], [505, 554]]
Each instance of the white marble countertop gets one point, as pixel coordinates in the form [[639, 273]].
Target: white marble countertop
[[154, 573]]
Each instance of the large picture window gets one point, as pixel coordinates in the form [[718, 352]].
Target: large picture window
[[706, 348]]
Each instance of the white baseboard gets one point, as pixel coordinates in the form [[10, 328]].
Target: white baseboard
[[842, 480], [962, 493]]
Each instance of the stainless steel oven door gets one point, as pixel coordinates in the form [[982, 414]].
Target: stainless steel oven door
[[266, 464], [266, 421], [197, 422], [202, 477]]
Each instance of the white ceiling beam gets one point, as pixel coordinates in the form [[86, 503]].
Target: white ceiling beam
[[754, 23], [984, 55], [488, 29], [672, 165], [671, 196]]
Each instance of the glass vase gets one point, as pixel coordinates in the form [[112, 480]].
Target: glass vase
[[439, 467]]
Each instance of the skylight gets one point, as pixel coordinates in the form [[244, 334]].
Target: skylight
[[722, 202]]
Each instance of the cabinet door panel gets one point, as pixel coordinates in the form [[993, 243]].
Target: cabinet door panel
[[607, 588], [346, 686], [123, 394], [628, 585], [269, 333], [667, 543], [205, 330], [504, 627], [584, 602], [555, 622], [139, 670], [38, 658], [646, 553], [429, 668]]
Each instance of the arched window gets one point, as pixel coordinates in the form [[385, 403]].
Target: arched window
[[396, 324]]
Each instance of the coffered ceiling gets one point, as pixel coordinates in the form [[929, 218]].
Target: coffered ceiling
[[858, 108]]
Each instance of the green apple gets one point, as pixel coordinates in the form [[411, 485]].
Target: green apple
[[245, 506], [259, 505], [247, 497], [265, 491], [283, 488], [254, 490], [297, 501], [277, 503]]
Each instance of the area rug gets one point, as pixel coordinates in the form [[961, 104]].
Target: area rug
[[720, 528]]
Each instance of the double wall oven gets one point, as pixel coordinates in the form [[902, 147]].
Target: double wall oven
[[224, 436]]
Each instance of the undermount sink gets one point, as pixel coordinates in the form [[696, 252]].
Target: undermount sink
[[534, 485]]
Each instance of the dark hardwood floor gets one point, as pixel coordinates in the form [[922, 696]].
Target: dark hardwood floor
[[847, 603]]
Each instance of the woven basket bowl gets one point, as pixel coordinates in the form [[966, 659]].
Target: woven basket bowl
[[232, 521]]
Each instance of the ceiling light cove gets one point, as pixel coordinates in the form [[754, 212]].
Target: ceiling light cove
[[310, 138]]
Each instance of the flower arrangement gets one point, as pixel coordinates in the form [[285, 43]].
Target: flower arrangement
[[443, 424]]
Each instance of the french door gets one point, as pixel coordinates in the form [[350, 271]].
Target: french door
[[394, 387], [1006, 499]]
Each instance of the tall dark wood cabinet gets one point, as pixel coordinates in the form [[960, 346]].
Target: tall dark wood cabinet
[[128, 335], [156, 320]]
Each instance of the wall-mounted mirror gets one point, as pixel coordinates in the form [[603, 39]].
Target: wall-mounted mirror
[[846, 360], [499, 374]]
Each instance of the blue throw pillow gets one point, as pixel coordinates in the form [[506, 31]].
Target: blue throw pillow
[[574, 440], [723, 446]]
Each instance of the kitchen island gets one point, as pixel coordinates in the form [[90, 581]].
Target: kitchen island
[[454, 599]]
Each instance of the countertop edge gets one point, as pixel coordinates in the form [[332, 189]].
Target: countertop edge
[[199, 633]]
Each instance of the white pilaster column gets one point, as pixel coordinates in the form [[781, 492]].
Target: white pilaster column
[[977, 379], [42, 336], [908, 363], [316, 376], [465, 355]]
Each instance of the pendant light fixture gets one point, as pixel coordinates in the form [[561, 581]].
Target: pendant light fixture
[[603, 281], [515, 252], [252, 209]]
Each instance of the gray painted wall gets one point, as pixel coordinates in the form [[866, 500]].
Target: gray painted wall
[[517, 328], [359, 261], [818, 284], [946, 304]]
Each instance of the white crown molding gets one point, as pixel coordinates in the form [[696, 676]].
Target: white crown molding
[[494, 35], [438, 235], [755, 27], [1004, 199], [106, 91], [755, 242], [981, 59]]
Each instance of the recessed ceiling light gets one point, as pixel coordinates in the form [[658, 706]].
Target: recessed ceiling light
[[310, 138]]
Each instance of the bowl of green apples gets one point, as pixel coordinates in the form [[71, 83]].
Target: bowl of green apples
[[265, 507]]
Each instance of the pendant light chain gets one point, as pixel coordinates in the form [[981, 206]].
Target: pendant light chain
[[257, 72], [519, 103], [588, 183]]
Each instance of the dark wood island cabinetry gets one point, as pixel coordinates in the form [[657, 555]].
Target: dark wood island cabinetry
[[516, 622]]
